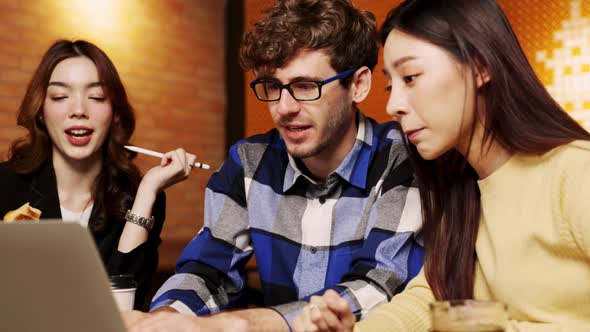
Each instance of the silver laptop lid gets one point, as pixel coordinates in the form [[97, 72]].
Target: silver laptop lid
[[52, 279]]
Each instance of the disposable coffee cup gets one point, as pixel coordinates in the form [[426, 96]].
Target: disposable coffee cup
[[123, 287]]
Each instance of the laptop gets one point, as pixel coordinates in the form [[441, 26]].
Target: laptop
[[52, 279]]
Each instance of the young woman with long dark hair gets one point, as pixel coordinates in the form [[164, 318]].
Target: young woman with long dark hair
[[72, 164], [503, 171]]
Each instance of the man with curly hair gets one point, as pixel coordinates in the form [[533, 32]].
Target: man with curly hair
[[324, 201]]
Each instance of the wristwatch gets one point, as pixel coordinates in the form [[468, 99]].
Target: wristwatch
[[147, 223]]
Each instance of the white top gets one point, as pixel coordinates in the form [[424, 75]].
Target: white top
[[81, 218]]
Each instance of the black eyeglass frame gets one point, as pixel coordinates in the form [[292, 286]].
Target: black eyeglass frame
[[287, 86]]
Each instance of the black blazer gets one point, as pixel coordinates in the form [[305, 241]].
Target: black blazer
[[40, 190]]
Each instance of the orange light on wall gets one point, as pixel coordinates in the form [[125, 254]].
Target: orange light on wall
[[116, 24], [97, 14]]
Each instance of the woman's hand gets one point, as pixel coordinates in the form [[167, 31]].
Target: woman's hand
[[174, 167], [328, 312]]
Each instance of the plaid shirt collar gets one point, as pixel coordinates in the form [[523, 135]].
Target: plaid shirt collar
[[353, 168]]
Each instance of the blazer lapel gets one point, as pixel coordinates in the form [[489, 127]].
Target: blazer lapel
[[44, 193]]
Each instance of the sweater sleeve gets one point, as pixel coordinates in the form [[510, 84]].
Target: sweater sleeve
[[407, 311], [574, 185], [575, 191]]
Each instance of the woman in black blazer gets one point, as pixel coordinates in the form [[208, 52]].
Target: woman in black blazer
[[72, 164]]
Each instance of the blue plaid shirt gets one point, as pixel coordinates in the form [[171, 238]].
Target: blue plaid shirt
[[355, 233]]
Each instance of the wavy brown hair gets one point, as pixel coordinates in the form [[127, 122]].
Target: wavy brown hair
[[348, 35], [519, 114], [117, 183]]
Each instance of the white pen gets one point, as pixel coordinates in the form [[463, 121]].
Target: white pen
[[160, 155]]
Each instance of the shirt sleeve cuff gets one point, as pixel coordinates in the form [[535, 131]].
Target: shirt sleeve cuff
[[289, 311], [176, 305]]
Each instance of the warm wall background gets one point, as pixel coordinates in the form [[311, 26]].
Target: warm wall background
[[567, 74], [170, 55]]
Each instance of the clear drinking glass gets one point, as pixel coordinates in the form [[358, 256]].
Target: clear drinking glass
[[468, 316], [123, 287]]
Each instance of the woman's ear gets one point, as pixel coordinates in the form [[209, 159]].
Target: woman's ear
[[482, 76], [361, 84]]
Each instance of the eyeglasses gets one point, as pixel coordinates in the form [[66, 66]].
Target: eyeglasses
[[304, 90]]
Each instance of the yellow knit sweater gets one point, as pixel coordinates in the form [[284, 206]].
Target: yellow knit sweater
[[533, 248]]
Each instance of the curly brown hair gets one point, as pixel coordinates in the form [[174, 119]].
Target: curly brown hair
[[116, 185], [347, 34]]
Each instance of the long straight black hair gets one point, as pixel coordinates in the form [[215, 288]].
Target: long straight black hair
[[519, 114]]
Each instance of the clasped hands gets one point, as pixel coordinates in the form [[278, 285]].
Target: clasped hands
[[326, 313]]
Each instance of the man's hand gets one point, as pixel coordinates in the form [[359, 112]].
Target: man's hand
[[327, 313], [258, 319], [175, 322], [132, 317]]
